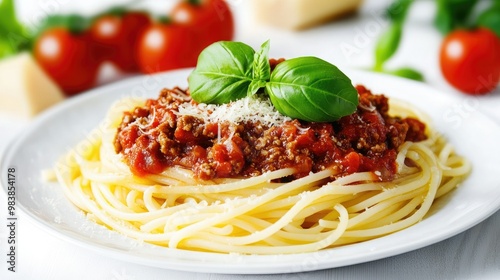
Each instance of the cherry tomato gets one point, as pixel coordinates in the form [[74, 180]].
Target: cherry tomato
[[164, 47], [116, 38], [68, 59], [470, 60], [212, 19]]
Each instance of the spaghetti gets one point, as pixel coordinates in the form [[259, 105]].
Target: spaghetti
[[265, 213]]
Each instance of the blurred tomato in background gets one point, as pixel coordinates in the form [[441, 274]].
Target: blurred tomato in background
[[470, 60], [67, 58], [210, 20], [190, 27], [166, 46], [72, 48], [116, 38], [78, 49]]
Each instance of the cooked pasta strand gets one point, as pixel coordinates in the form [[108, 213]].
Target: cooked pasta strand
[[257, 215]]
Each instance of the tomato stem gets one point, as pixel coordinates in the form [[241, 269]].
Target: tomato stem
[[194, 2], [164, 19]]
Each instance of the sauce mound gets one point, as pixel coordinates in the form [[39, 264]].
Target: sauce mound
[[161, 135]]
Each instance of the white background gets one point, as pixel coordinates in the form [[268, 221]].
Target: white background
[[474, 254]]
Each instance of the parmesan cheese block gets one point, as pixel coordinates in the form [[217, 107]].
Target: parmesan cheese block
[[25, 89], [300, 14]]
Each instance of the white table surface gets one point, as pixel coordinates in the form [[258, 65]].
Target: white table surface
[[473, 254]]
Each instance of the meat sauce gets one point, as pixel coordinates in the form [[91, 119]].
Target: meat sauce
[[155, 137]]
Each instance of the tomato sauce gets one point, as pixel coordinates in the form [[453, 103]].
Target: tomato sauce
[[155, 137]]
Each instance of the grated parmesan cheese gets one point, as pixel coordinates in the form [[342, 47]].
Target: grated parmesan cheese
[[250, 108]]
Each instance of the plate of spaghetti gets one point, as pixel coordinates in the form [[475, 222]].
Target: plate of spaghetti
[[141, 171]]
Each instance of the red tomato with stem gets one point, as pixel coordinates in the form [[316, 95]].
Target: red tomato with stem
[[212, 20], [116, 38], [470, 60], [164, 47], [68, 59]]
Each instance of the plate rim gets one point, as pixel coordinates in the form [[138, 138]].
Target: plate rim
[[213, 267]]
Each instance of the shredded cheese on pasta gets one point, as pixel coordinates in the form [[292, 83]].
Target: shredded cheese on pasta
[[251, 108]]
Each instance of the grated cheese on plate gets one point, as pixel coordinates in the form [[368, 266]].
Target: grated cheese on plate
[[250, 108]]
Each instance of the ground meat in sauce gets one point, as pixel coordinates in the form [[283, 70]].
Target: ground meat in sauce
[[154, 137]]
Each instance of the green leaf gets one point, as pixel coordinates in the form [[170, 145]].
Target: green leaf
[[398, 10], [255, 85], [387, 45], [122, 9], [75, 23], [13, 35], [8, 20], [6, 49], [261, 69], [444, 21], [305, 88], [490, 18], [452, 14], [408, 73], [223, 73], [311, 89], [78, 23], [115, 11], [51, 21]]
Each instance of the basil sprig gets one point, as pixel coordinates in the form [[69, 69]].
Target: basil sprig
[[388, 43], [261, 69], [306, 88], [223, 73]]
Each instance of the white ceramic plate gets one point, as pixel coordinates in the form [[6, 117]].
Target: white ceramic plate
[[58, 130]]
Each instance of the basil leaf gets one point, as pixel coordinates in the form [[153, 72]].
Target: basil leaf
[[408, 73], [490, 19], [8, 20], [452, 14], [14, 37], [6, 49], [387, 45], [443, 21], [305, 88], [261, 69], [255, 85], [311, 89], [398, 10], [223, 73]]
